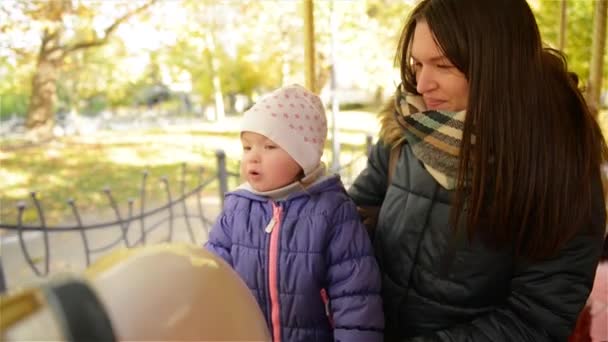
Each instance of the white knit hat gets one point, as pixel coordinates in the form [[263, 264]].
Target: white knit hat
[[294, 118]]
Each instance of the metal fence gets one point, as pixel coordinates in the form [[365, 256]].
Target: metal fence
[[181, 216]]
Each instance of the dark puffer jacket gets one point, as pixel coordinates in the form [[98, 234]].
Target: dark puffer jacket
[[440, 288]]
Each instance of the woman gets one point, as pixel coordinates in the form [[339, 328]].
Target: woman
[[490, 227]]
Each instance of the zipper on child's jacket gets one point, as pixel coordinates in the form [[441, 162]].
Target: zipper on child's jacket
[[273, 228]]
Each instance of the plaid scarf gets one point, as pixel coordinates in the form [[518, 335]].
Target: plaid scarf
[[435, 136]]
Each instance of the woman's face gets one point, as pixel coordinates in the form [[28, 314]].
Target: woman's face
[[441, 84]]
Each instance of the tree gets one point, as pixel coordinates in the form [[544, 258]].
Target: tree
[[227, 54], [63, 27], [579, 32], [98, 75], [14, 87], [251, 47], [365, 42]]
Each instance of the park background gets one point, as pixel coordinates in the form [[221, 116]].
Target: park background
[[95, 94]]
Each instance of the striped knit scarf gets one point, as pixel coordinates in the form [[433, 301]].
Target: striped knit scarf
[[434, 136]]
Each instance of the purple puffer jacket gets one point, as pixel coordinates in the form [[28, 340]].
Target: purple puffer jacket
[[308, 261]]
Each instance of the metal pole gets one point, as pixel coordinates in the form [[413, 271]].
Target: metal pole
[[309, 45], [369, 144], [563, 23], [222, 174], [335, 104], [2, 281], [597, 53]]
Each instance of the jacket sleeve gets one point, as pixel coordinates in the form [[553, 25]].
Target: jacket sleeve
[[353, 280], [546, 296], [220, 237], [370, 185]]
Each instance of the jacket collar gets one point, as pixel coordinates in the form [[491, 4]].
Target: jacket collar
[[317, 181]]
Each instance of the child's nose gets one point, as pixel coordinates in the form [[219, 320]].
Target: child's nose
[[253, 157]]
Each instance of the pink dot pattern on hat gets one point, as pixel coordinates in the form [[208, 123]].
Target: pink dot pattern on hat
[[294, 118], [301, 111]]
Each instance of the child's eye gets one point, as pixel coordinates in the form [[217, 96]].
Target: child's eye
[[270, 147], [444, 66], [246, 148]]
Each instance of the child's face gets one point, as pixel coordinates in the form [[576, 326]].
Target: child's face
[[265, 165]]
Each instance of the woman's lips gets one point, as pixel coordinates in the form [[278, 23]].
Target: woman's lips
[[433, 103]]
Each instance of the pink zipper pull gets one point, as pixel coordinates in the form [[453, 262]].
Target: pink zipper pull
[[270, 225], [325, 299], [276, 211]]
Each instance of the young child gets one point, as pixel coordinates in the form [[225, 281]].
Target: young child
[[292, 232]]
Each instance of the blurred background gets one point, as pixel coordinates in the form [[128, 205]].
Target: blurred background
[[97, 95]]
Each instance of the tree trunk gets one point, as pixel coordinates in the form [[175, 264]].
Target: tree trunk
[[594, 86], [40, 116], [217, 84]]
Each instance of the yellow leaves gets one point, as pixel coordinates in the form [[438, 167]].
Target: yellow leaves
[[55, 10], [83, 11], [48, 10]]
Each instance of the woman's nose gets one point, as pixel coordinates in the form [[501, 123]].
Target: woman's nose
[[425, 80]]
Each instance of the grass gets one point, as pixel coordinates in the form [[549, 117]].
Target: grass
[[80, 168], [69, 169]]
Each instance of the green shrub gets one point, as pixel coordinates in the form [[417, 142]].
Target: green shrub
[[13, 104]]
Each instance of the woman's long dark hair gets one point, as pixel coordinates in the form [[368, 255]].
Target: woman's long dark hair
[[531, 178]]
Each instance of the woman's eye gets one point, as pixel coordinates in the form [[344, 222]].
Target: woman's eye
[[246, 148], [444, 66]]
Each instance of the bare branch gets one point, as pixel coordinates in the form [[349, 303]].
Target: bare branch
[[23, 53], [48, 37], [108, 31]]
